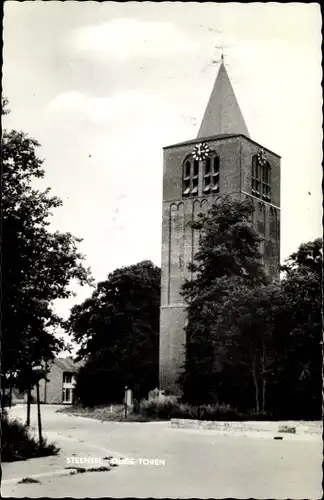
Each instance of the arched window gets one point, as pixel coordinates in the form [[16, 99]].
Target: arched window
[[195, 177], [256, 179], [186, 188], [190, 177], [266, 182], [261, 179], [211, 174]]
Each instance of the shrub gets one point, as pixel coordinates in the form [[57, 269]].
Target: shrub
[[170, 407], [219, 412], [18, 444], [206, 412], [158, 408]]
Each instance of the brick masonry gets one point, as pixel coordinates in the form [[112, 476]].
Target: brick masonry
[[51, 391]]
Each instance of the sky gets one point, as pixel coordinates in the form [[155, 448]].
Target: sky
[[104, 86]]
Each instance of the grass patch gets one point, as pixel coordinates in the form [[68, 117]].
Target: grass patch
[[105, 413], [82, 470], [288, 429], [77, 470], [17, 442], [164, 409], [28, 480], [102, 468]]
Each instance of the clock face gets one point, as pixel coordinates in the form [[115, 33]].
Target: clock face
[[262, 158], [201, 151]]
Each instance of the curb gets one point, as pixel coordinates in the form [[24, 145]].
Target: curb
[[246, 427]]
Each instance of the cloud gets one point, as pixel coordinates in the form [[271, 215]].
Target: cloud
[[141, 120], [129, 105], [126, 38]]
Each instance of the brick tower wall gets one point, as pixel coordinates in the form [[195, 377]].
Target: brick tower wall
[[180, 242]]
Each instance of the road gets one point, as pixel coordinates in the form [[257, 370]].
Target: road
[[202, 464]]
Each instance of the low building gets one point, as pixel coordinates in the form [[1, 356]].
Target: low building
[[60, 383]]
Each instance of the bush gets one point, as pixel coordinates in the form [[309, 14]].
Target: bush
[[18, 444], [170, 407], [158, 408], [220, 412]]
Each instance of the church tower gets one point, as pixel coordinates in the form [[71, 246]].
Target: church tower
[[222, 160]]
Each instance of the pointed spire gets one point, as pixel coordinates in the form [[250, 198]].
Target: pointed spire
[[222, 114]]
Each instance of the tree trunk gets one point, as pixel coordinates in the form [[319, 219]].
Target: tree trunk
[[3, 394], [256, 387], [264, 381], [10, 390], [10, 393], [39, 417], [28, 407]]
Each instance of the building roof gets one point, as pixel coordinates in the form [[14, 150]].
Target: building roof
[[222, 114], [67, 364]]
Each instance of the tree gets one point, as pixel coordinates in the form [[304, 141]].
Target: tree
[[301, 379], [249, 322], [117, 330], [308, 258], [273, 334], [228, 258], [37, 263]]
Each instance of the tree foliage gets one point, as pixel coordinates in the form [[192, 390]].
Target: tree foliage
[[37, 263], [228, 258], [252, 342], [249, 325], [300, 380], [117, 330]]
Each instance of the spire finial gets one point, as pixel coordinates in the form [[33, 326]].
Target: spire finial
[[222, 114], [221, 48]]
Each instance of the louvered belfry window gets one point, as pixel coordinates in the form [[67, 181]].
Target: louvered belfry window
[[186, 178], [190, 177], [211, 174], [261, 179]]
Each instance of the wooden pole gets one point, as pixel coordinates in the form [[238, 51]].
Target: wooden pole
[[39, 417]]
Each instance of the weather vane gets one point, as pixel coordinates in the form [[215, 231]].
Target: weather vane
[[219, 47]]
